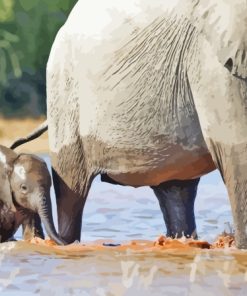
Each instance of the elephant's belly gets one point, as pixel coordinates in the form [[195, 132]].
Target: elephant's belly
[[164, 172]]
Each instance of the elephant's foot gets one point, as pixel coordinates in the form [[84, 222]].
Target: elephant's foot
[[12, 239], [241, 243], [176, 199]]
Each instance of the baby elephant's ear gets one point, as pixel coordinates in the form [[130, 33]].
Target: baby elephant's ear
[[7, 159]]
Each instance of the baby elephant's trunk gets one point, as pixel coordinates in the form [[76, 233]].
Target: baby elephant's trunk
[[45, 212]]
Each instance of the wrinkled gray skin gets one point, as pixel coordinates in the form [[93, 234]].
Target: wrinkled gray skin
[[153, 93], [24, 196]]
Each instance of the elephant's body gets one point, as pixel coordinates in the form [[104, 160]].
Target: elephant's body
[[135, 115], [149, 92]]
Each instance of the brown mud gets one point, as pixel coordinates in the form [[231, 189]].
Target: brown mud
[[161, 244], [140, 267]]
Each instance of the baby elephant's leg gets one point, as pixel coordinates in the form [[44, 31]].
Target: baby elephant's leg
[[32, 227], [176, 199]]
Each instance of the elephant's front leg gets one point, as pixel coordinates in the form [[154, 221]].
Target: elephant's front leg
[[70, 204], [231, 161], [176, 199], [221, 103], [31, 227]]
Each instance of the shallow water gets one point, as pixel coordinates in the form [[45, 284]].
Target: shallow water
[[118, 214]]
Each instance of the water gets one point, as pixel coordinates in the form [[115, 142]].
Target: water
[[118, 214]]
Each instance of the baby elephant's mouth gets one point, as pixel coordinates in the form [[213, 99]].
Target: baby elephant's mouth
[[21, 209]]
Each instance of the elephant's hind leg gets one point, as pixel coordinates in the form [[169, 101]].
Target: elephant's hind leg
[[176, 199]]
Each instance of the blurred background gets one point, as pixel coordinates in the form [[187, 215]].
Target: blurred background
[[27, 31]]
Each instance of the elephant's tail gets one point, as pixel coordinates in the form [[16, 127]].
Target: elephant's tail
[[33, 135]]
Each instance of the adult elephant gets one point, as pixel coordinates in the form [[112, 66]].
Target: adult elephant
[[149, 93]]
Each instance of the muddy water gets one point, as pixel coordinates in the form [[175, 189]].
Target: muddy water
[[122, 214]]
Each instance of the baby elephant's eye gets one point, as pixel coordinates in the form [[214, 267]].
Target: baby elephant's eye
[[23, 188]]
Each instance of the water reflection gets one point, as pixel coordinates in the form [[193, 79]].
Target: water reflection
[[35, 269], [115, 213]]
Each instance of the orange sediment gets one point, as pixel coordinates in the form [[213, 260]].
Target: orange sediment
[[224, 241], [43, 242], [161, 244], [169, 243]]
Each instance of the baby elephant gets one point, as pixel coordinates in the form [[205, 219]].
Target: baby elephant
[[24, 196]]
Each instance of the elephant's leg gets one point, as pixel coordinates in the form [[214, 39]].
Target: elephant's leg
[[221, 103], [12, 239], [70, 205], [231, 160], [176, 199], [31, 227]]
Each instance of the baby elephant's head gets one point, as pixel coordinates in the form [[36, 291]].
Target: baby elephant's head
[[30, 182]]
